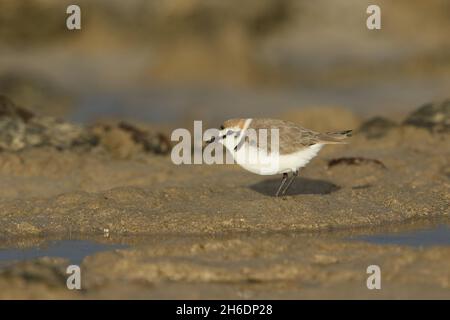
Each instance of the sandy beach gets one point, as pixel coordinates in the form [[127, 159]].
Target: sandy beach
[[217, 231], [87, 178]]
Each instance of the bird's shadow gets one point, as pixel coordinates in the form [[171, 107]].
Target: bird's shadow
[[300, 186]]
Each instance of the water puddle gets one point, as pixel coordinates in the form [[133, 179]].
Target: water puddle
[[436, 236], [433, 234], [73, 250]]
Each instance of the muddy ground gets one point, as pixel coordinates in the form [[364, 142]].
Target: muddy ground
[[216, 231]]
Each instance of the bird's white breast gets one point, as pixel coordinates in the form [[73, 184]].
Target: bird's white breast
[[253, 160]]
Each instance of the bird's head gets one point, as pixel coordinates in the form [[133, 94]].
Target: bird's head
[[229, 132]]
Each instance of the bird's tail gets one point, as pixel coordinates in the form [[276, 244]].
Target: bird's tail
[[335, 137]]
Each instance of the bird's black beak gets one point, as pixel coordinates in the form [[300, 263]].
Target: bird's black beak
[[215, 139]]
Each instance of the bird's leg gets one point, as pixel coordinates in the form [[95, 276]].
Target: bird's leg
[[294, 175], [283, 181]]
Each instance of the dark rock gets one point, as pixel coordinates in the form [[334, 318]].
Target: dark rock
[[49, 131], [9, 109], [432, 116], [124, 140], [20, 129], [156, 143], [376, 127]]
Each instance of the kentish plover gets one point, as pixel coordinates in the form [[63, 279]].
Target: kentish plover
[[295, 146]]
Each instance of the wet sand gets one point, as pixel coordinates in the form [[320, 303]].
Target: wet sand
[[240, 266], [216, 231]]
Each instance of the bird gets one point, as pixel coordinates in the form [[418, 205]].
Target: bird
[[267, 146]]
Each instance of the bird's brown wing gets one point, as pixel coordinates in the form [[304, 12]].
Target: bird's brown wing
[[292, 137]]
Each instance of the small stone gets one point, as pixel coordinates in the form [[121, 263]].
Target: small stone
[[432, 116], [376, 127]]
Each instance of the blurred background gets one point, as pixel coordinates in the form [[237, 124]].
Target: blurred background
[[173, 61]]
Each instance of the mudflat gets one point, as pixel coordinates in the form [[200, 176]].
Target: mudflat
[[217, 231]]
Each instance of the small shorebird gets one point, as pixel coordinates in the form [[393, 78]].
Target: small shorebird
[[292, 148]]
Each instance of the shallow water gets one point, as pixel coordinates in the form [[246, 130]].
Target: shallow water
[[76, 250], [73, 250], [436, 236]]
